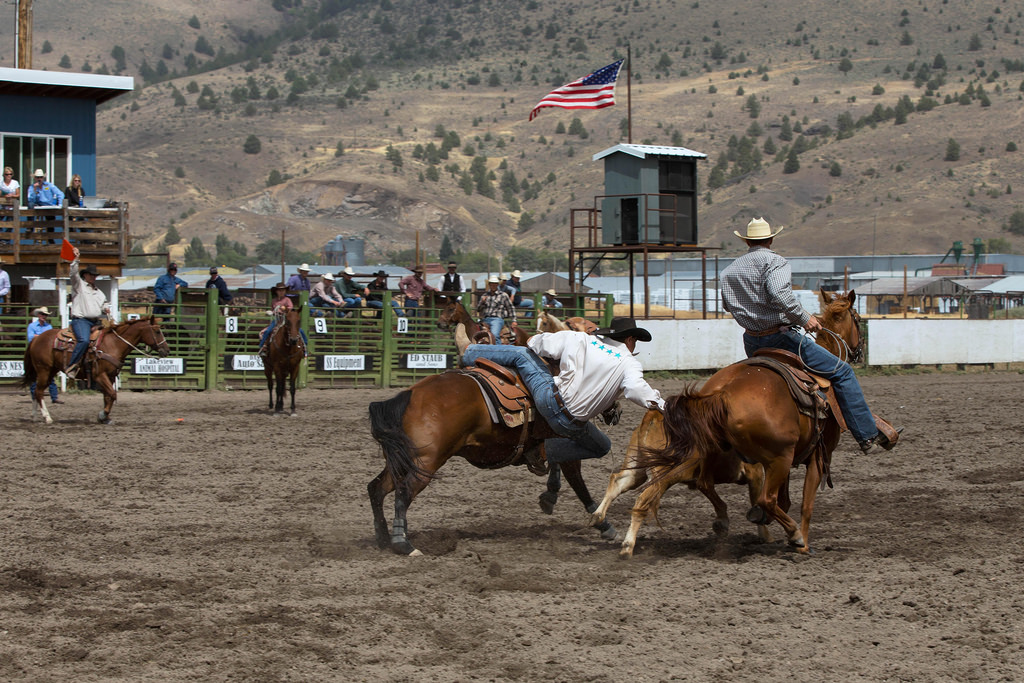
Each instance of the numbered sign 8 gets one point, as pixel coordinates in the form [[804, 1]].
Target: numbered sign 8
[[231, 325]]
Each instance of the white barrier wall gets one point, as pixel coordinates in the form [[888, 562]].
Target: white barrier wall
[[710, 344], [928, 342]]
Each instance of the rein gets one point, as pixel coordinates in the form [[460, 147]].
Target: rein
[[114, 331]]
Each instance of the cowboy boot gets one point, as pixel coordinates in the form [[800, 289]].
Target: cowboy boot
[[72, 370]]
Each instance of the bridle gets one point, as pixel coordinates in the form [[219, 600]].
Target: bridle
[[162, 342]]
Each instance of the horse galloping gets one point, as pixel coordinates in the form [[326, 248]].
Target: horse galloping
[[49, 353], [434, 420], [285, 352], [748, 411]]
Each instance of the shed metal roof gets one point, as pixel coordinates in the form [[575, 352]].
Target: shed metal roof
[[914, 286], [1013, 283], [643, 151], [35, 83]]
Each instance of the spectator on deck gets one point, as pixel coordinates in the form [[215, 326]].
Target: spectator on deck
[[224, 296]]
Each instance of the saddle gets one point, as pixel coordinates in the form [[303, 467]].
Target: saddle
[[65, 341], [510, 404]]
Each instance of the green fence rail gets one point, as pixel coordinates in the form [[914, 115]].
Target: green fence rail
[[218, 347]]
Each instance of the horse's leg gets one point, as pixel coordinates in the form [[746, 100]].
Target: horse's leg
[[291, 387], [754, 474], [270, 383], [646, 503], [626, 479], [279, 403], [404, 496], [721, 524], [106, 385], [811, 481], [44, 376], [776, 474], [377, 489], [550, 497], [574, 475]]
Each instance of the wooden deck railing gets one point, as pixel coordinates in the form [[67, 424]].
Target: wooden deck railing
[[36, 235]]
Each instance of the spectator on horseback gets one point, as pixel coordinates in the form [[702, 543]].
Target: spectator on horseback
[[36, 327], [452, 281], [224, 296], [299, 282], [279, 304], [757, 290], [88, 306], [412, 287], [166, 288], [375, 299], [352, 292], [493, 307], [324, 294], [593, 371]]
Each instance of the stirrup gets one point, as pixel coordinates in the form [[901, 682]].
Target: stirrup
[[71, 372]]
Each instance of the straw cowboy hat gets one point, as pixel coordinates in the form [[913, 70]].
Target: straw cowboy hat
[[551, 292], [516, 273], [328, 277], [42, 310], [494, 279], [758, 229], [622, 328], [279, 285]]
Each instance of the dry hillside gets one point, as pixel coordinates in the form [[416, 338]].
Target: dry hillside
[[369, 75]]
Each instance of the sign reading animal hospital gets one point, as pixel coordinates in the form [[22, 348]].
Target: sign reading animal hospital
[[12, 368], [426, 361], [159, 366], [239, 362], [343, 363]]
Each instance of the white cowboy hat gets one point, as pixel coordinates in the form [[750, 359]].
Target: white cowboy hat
[[348, 270], [516, 273], [305, 267], [328, 277], [493, 278], [551, 292], [758, 229], [42, 310]]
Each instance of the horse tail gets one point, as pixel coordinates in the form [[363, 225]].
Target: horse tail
[[694, 428], [29, 377], [386, 428]]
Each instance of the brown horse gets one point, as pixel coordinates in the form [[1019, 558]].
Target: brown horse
[[724, 468], [748, 412], [454, 314], [438, 418], [285, 352], [549, 323], [45, 357]]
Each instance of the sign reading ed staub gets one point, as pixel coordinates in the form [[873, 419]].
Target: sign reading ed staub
[[426, 360], [158, 366]]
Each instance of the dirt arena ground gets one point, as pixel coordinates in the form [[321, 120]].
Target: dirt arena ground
[[239, 546]]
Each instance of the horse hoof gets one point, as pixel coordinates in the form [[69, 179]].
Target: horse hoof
[[547, 502], [293, 415], [626, 553], [720, 527], [757, 515], [608, 532], [404, 548]]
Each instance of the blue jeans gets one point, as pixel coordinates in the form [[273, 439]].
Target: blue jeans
[[582, 439], [848, 392], [411, 304], [495, 325], [270, 328], [52, 388], [82, 327], [352, 301], [370, 303]]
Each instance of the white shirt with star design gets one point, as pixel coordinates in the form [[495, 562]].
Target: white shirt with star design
[[593, 372]]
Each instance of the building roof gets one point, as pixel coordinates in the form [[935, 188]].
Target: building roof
[[643, 151], [35, 83], [913, 286], [1013, 283]]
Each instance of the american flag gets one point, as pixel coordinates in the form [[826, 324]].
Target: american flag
[[590, 92]]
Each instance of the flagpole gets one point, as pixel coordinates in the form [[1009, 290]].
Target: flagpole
[[629, 93]]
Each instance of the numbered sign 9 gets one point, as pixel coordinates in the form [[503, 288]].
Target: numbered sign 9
[[231, 325], [320, 325]]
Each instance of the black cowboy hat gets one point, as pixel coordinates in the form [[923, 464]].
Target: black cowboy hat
[[279, 285], [381, 273], [622, 328], [90, 269]]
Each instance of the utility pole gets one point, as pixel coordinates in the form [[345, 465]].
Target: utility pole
[[23, 46]]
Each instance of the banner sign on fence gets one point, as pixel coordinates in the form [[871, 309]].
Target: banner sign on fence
[[159, 366], [350, 363], [240, 362], [426, 361], [12, 368]]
